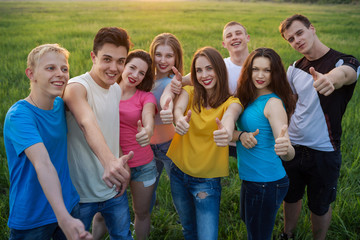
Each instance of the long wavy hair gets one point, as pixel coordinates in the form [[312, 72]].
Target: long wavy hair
[[247, 92], [221, 88]]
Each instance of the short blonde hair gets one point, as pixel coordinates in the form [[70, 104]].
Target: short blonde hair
[[35, 54], [234, 23]]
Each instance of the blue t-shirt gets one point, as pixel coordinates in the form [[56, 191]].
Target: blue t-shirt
[[158, 90], [260, 163], [26, 125]]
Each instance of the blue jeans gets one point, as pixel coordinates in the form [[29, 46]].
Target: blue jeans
[[162, 161], [115, 212], [45, 232], [259, 203], [197, 201]]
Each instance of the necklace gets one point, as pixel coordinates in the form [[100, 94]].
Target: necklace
[[33, 101]]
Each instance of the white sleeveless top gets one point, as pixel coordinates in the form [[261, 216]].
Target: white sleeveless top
[[85, 168]]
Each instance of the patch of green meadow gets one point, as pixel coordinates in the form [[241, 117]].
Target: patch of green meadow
[[73, 24]]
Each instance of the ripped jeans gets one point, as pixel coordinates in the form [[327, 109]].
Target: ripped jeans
[[197, 201]]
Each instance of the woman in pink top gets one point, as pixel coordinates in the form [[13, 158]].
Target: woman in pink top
[[137, 112]]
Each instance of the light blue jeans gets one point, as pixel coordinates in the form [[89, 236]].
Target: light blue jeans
[[197, 201], [162, 161], [115, 212], [259, 204]]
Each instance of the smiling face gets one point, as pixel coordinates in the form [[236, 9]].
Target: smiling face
[[164, 60], [300, 37], [108, 64], [134, 72], [205, 74], [261, 75], [50, 75], [235, 38]]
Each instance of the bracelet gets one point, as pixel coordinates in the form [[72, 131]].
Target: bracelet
[[240, 135]]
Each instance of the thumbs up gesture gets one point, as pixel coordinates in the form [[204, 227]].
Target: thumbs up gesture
[[221, 135], [248, 139], [176, 82], [182, 125], [322, 83], [142, 137], [282, 143], [166, 113]]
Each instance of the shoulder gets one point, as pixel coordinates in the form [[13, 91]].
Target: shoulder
[[189, 89], [83, 78], [148, 96], [273, 106], [233, 99], [19, 114]]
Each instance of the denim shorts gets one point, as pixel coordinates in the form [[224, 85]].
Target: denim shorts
[[318, 171], [145, 173]]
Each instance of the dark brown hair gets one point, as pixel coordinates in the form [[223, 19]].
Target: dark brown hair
[[221, 88], [112, 35], [284, 25], [148, 81], [279, 85]]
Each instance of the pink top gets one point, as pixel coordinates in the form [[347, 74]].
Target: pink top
[[130, 113]]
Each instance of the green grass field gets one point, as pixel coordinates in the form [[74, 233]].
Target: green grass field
[[24, 25]]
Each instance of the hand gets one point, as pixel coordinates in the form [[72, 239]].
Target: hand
[[176, 82], [221, 136], [115, 172], [322, 83], [74, 229], [142, 137], [282, 143], [182, 126], [248, 139], [166, 114]]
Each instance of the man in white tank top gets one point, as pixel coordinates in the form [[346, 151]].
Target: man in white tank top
[[98, 172]]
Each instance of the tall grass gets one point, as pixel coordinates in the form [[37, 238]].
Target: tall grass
[[24, 25]]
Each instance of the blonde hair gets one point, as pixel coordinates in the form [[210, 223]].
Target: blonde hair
[[35, 54], [233, 23]]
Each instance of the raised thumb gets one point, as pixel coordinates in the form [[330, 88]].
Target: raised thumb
[[283, 131], [139, 126], [188, 116], [219, 123]]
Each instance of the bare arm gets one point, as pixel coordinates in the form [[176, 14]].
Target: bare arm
[[326, 83], [226, 126], [49, 181], [114, 170], [276, 114], [146, 126], [186, 80]]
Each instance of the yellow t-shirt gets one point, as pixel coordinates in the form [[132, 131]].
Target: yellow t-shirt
[[196, 153]]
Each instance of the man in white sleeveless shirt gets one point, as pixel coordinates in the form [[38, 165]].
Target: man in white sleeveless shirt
[[98, 172]]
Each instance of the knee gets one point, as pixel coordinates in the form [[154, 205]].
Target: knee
[[141, 215], [201, 195]]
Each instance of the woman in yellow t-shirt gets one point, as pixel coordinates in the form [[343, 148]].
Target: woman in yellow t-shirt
[[199, 148]]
